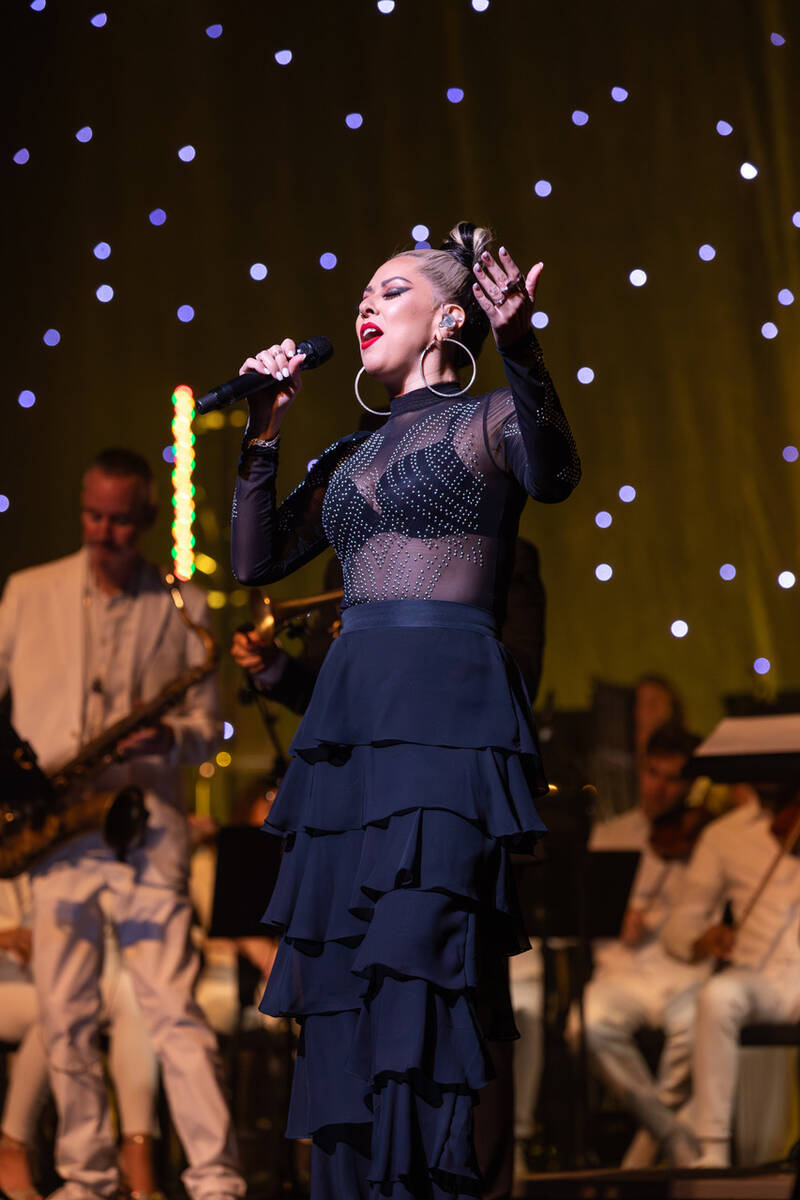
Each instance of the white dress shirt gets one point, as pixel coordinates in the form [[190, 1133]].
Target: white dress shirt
[[729, 862]]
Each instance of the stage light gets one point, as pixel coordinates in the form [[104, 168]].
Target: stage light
[[422, 245], [185, 313], [627, 494], [769, 330], [38, 5], [187, 153], [84, 134], [22, 156], [420, 233], [796, 219], [26, 398], [258, 271], [777, 39], [790, 453], [786, 580], [724, 128], [328, 260], [168, 454], [224, 759], [727, 572], [4, 503], [214, 31], [638, 277], [603, 519], [354, 120], [207, 770], [480, 5], [603, 572], [283, 57], [679, 629], [227, 731], [157, 216], [105, 293], [52, 337], [182, 486], [455, 95], [785, 296], [579, 117], [99, 20], [707, 252], [101, 250], [748, 171], [540, 320], [216, 599], [619, 94], [585, 375], [762, 666], [205, 563], [385, 6], [543, 187]]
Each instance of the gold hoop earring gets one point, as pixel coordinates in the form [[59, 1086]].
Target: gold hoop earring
[[448, 395], [376, 412]]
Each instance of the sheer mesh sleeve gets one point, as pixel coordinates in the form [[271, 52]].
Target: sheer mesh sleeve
[[526, 431], [269, 541]]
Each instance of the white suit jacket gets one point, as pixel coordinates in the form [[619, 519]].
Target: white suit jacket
[[42, 652]]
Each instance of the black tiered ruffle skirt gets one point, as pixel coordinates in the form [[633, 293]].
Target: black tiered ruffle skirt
[[415, 772]]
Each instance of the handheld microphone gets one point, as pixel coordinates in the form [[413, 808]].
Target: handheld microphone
[[317, 351]]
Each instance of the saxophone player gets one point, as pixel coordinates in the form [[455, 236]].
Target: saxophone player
[[83, 640]]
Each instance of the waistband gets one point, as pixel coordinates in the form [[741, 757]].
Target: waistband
[[419, 614]]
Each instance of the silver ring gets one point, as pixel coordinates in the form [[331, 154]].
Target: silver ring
[[514, 285]]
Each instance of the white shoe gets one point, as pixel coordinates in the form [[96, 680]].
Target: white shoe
[[642, 1153]]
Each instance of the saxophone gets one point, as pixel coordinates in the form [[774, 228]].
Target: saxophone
[[46, 811]]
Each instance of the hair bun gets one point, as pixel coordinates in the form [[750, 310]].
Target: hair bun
[[467, 242]]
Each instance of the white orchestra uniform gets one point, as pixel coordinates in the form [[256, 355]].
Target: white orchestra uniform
[[763, 982], [633, 987], [132, 1064], [77, 660]]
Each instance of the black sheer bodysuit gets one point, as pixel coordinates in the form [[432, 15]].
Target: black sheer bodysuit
[[425, 508]]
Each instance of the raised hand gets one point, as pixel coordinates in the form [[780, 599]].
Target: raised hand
[[505, 295], [268, 407]]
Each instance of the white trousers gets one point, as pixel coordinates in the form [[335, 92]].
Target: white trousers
[[152, 923], [615, 1006], [736, 997], [527, 999], [131, 1062]]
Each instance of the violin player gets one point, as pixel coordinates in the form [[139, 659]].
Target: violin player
[[747, 858], [635, 982]]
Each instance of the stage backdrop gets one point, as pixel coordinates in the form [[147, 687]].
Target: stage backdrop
[[186, 182]]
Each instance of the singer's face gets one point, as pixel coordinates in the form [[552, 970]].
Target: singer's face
[[396, 319], [114, 515]]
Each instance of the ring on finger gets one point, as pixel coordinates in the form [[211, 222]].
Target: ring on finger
[[514, 285]]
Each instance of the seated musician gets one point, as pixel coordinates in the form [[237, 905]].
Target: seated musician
[[731, 861], [84, 641], [636, 983]]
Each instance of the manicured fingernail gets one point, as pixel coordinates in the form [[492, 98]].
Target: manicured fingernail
[[285, 372], [478, 267], [503, 250], [486, 256]]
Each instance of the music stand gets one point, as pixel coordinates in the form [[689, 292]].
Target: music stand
[[248, 860]]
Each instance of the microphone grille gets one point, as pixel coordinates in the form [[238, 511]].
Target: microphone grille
[[317, 351]]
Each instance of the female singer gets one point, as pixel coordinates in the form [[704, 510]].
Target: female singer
[[416, 766]]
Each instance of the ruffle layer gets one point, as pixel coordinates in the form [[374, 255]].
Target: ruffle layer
[[329, 883], [397, 685], [348, 788]]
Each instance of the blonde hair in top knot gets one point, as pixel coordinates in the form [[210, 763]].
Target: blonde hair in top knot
[[449, 271]]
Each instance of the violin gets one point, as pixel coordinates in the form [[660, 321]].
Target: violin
[[784, 822], [674, 833]]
